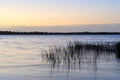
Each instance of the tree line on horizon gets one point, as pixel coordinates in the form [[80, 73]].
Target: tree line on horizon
[[52, 33]]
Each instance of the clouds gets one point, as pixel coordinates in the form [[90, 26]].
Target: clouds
[[70, 28]]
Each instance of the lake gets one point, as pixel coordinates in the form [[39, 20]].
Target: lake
[[20, 58]]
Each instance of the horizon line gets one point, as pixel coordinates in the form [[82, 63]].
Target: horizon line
[[58, 25]]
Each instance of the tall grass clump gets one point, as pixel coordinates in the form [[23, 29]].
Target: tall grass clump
[[117, 49], [77, 53]]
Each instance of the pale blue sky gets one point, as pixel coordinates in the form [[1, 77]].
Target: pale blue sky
[[59, 12]]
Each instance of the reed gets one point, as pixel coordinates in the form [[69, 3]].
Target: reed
[[77, 53], [117, 49]]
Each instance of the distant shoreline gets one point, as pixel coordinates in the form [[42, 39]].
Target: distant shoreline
[[58, 33]]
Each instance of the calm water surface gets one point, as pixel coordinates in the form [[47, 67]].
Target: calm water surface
[[20, 58]]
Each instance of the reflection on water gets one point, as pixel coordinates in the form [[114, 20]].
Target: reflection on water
[[77, 53], [20, 57]]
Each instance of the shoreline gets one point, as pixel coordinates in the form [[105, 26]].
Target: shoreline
[[58, 33]]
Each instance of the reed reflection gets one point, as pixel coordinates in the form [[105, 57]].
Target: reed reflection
[[76, 54]]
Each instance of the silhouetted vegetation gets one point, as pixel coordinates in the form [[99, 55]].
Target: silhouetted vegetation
[[77, 53], [118, 49], [55, 33]]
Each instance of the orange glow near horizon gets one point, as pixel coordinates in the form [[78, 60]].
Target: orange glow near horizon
[[37, 13], [38, 19]]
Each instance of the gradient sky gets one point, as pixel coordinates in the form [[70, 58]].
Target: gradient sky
[[58, 12]]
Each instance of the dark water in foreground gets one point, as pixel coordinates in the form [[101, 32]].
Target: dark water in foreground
[[20, 59]]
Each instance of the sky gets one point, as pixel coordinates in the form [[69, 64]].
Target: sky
[[58, 12]]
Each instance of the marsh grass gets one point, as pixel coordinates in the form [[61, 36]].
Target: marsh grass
[[117, 50], [77, 53]]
